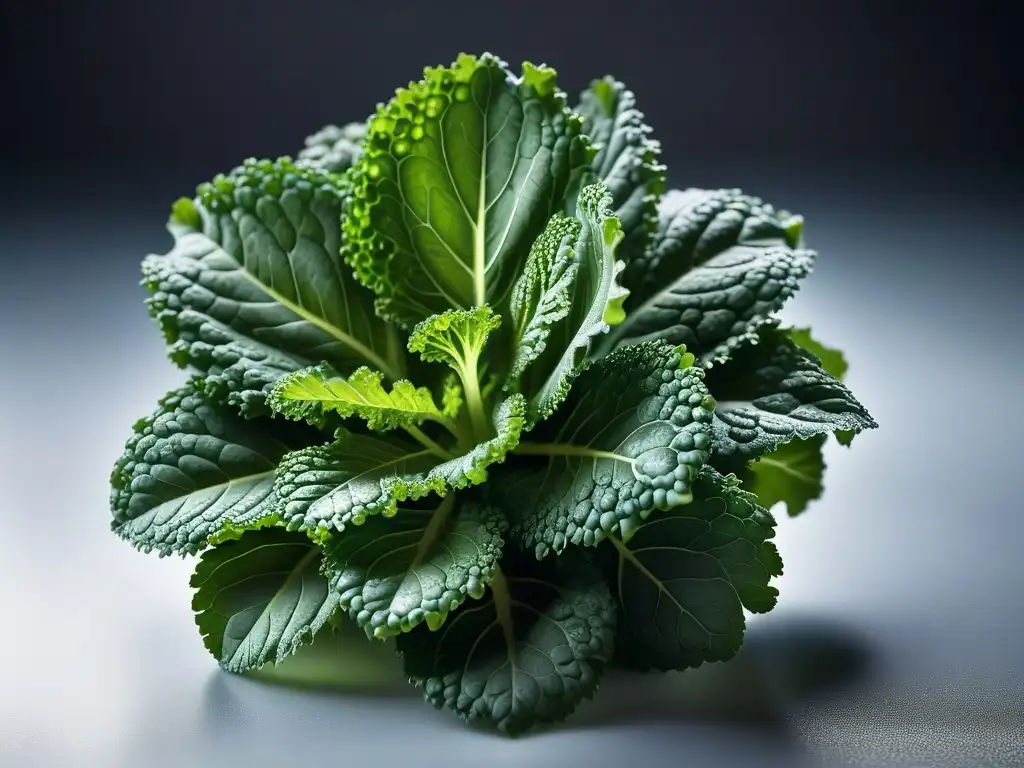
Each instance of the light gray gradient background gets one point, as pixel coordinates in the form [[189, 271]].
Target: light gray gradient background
[[906, 578]]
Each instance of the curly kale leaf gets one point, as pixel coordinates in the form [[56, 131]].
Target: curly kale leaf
[[328, 487], [254, 286], [630, 439], [528, 653], [720, 266], [626, 160], [311, 393], [774, 391], [594, 305], [393, 574], [196, 470], [259, 598], [460, 174], [333, 148], [687, 574]]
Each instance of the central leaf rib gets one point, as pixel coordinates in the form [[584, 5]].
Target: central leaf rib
[[480, 231]]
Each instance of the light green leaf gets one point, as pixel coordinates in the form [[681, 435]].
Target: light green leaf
[[772, 392], [196, 470], [626, 160], [720, 266], [543, 293], [461, 172], [310, 393], [332, 486], [792, 474], [597, 300], [685, 577], [630, 439], [457, 337], [254, 286], [392, 574], [527, 654], [333, 148], [259, 598]]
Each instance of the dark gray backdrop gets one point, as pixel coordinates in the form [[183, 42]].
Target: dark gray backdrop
[[893, 127]]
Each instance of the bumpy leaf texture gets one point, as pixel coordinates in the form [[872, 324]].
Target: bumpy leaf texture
[[685, 577], [526, 654], [630, 439], [461, 172], [392, 575], [254, 286], [721, 264], [774, 391], [196, 470]]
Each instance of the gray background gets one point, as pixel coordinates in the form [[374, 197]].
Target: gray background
[[897, 638]]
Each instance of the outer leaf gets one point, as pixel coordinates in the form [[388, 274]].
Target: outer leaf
[[792, 474], [597, 300], [772, 392], [393, 574], [310, 393], [626, 160], [254, 285], [720, 266], [332, 148], [260, 598], [832, 361], [630, 439], [685, 577], [332, 486], [461, 172], [543, 293], [194, 470], [527, 654]]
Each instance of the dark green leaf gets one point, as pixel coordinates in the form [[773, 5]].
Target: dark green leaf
[[392, 574], [196, 469], [527, 653], [685, 577], [772, 392], [630, 439], [259, 598]]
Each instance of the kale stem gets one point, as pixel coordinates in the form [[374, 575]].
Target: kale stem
[[474, 400], [429, 444], [503, 609]]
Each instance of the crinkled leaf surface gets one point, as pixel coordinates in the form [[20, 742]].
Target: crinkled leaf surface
[[331, 486], [832, 361], [528, 653], [392, 574], [685, 577], [630, 439], [260, 597], [772, 392], [333, 148], [196, 469], [596, 305], [792, 474], [626, 160], [255, 287], [461, 172], [310, 393], [543, 293], [721, 264]]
